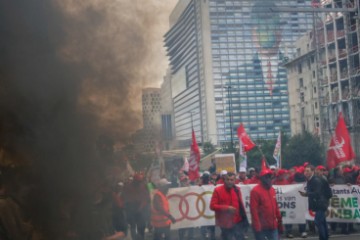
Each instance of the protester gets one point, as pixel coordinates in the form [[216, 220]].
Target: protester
[[222, 177], [161, 218], [265, 214], [296, 176], [119, 220], [252, 172], [229, 210], [137, 203], [207, 231], [213, 178], [319, 171], [318, 192], [242, 175]]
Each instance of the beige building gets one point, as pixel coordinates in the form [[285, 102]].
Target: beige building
[[303, 88], [325, 74]]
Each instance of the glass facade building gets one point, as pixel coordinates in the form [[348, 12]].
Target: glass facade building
[[247, 43]]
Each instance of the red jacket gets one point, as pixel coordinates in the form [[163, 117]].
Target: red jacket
[[221, 199], [265, 214]]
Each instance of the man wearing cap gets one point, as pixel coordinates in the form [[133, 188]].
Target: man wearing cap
[[222, 177], [242, 175], [161, 218], [229, 209], [319, 171], [265, 214]]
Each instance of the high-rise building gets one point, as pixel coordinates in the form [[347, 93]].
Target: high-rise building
[[326, 72], [226, 61], [151, 109]]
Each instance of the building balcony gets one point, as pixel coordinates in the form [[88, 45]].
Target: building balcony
[[333, 78], [324, 81], [342, 53]]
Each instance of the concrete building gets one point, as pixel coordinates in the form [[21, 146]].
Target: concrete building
[[151, 109], [329, 60], [226, 66], [303, 88], [167, 113]]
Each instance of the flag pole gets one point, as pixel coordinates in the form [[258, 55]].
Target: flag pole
[[280, 157], [262, 154]]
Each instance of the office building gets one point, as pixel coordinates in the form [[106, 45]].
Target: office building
[[226, 61], [331, 51]]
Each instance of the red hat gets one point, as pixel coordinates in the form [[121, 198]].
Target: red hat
[[300, 169], [305, 164], [347, 170], [281, 172], [320, 167], [356, 168], [264, 169]]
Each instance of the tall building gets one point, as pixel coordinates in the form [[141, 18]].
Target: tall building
[[151, 109], [226, 66], [334, 44], [303, 87]]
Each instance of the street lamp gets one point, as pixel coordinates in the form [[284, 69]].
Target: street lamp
[[228, 87]]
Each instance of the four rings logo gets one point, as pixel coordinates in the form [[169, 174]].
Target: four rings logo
[[184, 205]]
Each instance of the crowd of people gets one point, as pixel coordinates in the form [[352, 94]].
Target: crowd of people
[[135, 211]]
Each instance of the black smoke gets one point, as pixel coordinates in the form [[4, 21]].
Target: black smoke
[[69, 71]]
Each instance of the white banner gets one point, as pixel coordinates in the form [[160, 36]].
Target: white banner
[[191, 205], [344, 205]]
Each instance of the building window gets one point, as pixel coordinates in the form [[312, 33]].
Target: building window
[[299, 68], [314, 89], [301, 82]]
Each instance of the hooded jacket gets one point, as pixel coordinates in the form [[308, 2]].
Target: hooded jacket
[[265, 213]]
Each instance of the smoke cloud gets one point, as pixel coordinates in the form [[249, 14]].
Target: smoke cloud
[[71, 70]]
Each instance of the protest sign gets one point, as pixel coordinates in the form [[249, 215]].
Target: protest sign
[[225, 162]]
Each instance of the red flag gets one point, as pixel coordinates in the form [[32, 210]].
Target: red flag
[[248, 144], [263, 164], [340, 149], [194, 159]]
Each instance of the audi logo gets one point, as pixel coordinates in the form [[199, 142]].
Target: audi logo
[[200, 205]]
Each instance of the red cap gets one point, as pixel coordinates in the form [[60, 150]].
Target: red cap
[[347, 170], [281, 172], [300, 169], [320, 167], [305, 164]]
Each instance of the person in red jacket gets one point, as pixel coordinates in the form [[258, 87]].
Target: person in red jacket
[[265, 215], [229, 209]]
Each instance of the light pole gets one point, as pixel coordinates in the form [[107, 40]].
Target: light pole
[[228, 87]]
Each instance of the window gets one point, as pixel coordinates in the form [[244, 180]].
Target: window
[[299, 68], [301, 82], [314, 89]]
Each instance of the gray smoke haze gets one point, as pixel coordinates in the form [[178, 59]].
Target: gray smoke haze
[[69, 71]]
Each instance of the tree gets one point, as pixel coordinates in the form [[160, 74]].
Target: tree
[[267, 148], [303, 148], [254, 157]]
